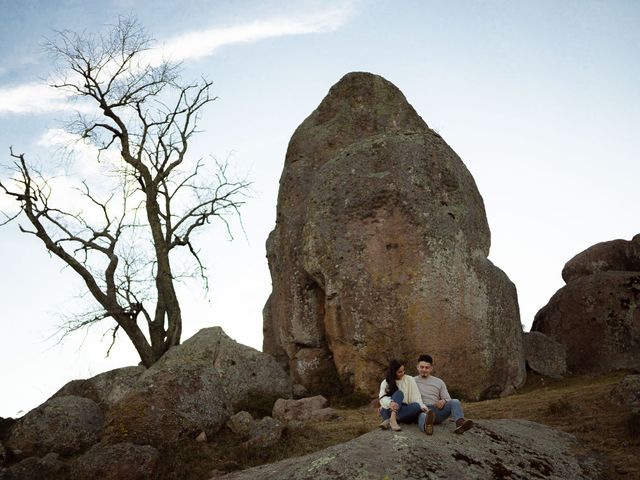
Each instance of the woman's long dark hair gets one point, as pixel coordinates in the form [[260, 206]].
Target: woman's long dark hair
[[394, 365]]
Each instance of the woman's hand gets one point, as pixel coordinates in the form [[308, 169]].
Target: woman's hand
[[394, 406]]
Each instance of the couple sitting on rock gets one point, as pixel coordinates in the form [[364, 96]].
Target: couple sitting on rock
[[424, 398]]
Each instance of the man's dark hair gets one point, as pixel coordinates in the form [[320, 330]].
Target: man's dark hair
[[425, 358]]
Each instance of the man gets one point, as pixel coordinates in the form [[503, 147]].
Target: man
[[436, 397]]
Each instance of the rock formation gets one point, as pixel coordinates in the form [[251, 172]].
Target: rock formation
[[544, 355], [380, 251], [64, 425], [116, 419], [515, 449], [611, 256], [596, 315]]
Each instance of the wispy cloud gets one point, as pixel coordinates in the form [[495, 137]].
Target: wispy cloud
[[34, 98], [203, 43]]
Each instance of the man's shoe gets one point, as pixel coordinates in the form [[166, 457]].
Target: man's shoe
[[384, 425], [428, 425], [463, 425]]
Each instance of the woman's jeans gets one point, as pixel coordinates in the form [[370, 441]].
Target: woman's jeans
[[408, 413], [452, 407]]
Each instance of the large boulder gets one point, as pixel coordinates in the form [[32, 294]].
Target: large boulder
[[106, 389], [544, 355], [194, 387], [117, 462], [493, 449], [65, 425], [380, 250], [597, 318], [614, 255], [49, 467], [245, 372], [168, 405]]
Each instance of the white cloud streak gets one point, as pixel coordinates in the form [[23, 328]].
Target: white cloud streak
[[203, 43], [37, 98], [33, 98]]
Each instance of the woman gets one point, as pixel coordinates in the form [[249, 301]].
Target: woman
[[400, 399]]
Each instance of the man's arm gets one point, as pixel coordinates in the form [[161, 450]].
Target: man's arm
[[444, 393], [443, 396]]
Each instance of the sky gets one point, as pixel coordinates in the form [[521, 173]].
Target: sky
[[541, 100]]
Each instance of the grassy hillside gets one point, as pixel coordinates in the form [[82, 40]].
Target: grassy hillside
[[577, 405]]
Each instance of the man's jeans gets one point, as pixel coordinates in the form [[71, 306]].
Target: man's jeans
[[452, 407], [406, 413]]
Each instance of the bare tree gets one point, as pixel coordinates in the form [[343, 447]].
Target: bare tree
[[145, 118]]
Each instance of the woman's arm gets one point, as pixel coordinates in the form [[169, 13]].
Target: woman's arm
[[384, 398]]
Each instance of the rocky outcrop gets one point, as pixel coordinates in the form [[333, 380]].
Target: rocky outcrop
[[596, 315], [194, 387], [380, 251], [611, 256], [627, 392], [121, 415], [515, 449], [244, 371], [65, 425], [544, 355]]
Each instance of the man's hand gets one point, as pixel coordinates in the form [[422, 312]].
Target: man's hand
[[440, 404], [394, 406]]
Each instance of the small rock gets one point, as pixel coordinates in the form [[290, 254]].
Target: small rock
[[298, 410], [265, 433], [324, 414], [202, 437], [544, 355], [241, 424], [627, 391], [299, 391]]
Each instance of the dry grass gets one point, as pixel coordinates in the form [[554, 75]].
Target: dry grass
[[226, 453], [577, 405]]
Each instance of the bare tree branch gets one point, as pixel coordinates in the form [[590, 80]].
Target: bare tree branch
[[120, 242]]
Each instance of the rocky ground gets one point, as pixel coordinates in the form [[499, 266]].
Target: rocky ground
[[581, 406], [607, 434]]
